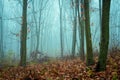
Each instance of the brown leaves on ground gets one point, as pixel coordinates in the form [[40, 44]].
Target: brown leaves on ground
[[62, 70]]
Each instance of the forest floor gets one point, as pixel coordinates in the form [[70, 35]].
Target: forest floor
[[66, 69]]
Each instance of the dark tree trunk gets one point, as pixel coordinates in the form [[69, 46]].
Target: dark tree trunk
[[23, 50], [89, 55], [101, 65]]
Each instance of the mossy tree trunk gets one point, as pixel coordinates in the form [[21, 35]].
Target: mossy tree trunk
[[23, 50], [89, 55], [101, 65]]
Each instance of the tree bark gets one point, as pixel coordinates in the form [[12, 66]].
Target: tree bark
[[74, 28], [23, 50], [61, 28], [101, 65], [81, 29], [1, 32], [1, 39], [89, 55]]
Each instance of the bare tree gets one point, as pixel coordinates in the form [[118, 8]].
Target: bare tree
[[38, 23]]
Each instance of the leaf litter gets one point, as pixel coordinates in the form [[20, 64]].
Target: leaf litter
[[69, 69]]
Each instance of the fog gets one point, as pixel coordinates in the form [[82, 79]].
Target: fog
[[46, 15]]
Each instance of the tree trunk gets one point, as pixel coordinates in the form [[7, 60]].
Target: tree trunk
[[31, 40], [23, 50], [74, 29], [38, 31], [1, 32], [1, 40], [74, 39], [101, 65], [89, 55], [37, 26], [81, 30], [37, 42], [100, 12], [61, 29]]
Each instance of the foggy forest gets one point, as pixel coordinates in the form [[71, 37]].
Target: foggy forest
[[59, 40]]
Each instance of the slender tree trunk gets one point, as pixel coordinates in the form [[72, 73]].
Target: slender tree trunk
[[101, 65], [23, 50], [61, 29], [89, 57], [1, 32], [38, 29], [1, 39], [74, 39], [31, 40], [81, 30], [100, 12], [38, 40], [37, 35], [74, 29]]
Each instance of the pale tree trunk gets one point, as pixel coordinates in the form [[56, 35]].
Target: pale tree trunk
[[37, 30], [100, 12], [37, 35], [89, 55], [61, 27], [74, 29], [101, 65], [38, 26], [37, 43], [31, 40], [23, 50]]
